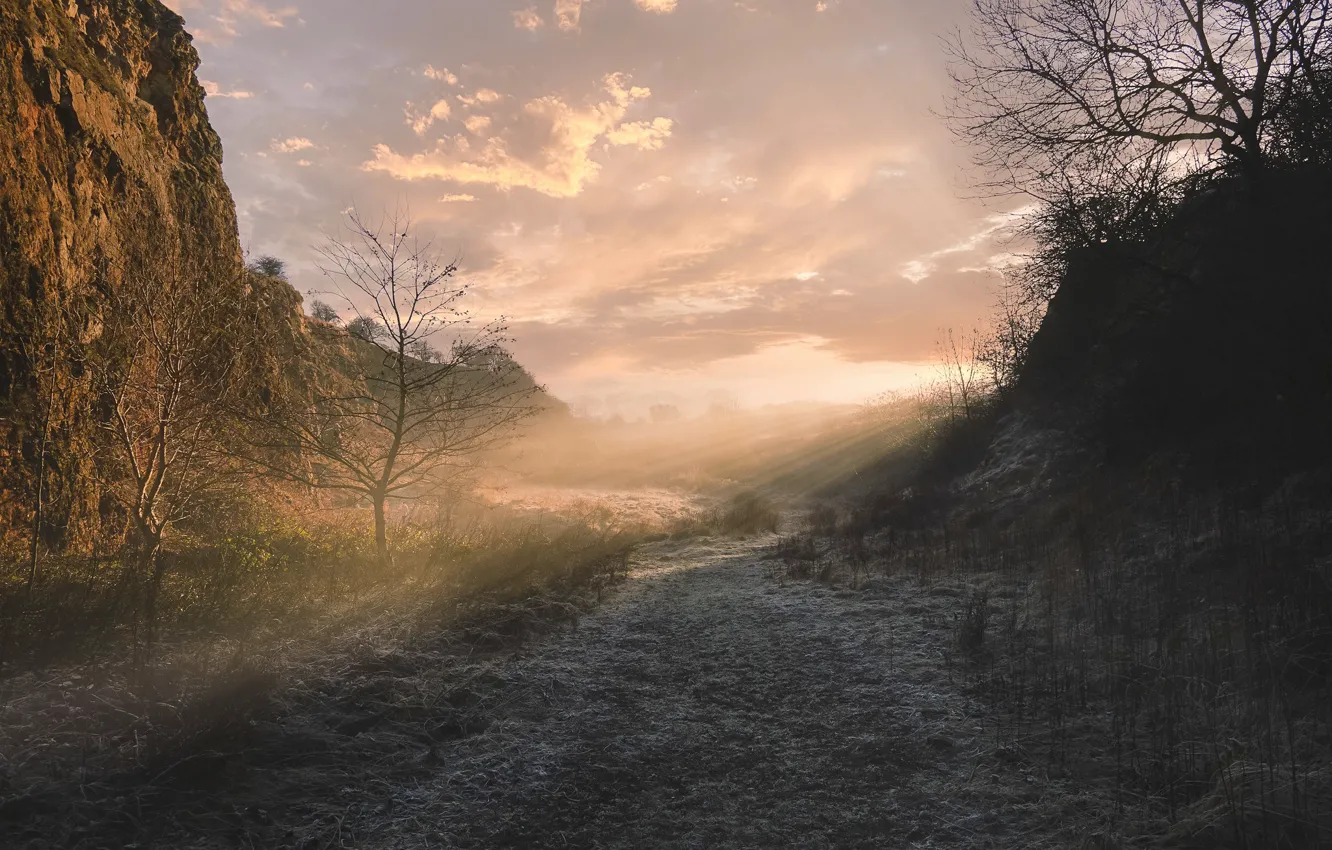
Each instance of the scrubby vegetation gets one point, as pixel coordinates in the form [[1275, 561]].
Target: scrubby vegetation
[[1139, 498], [1122, 493], [209, 572], [246, 617]]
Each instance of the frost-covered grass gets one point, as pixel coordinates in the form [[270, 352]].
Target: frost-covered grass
[[1164, 655], [702, 705], [96, 718]]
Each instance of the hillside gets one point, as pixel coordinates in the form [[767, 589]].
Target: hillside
[[1208, 337], [1143, 519]]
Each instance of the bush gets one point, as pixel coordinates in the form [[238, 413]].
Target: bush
[[750, 513], [822, 520]]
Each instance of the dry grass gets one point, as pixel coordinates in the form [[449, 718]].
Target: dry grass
[[745, 514], [277, 625], [1173, 652]]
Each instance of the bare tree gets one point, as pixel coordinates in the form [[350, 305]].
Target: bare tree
[[45, 351], [1107, 212], [962, 374], [1302, 132], [1002, 352], [403, 416], [1045, 88], [165, 368], [323, 312]]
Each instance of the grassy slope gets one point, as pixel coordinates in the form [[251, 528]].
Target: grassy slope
[[1147, 527]]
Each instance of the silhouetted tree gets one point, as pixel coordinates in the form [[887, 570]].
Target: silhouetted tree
[[1301, 133], [405, 417], [269, 266], [1017, 317], [323, 312], [366, 328], [962, 375], [1045, 87]]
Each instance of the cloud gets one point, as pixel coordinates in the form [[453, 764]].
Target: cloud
[[292, 145], [212, 89], [528, 19], [422, 121], [661, 7], [993, 227], [644, 135], [227, 17], [482, 96], [568, 13], [255, 11], [557, 139], [442, 74], [590, 210]]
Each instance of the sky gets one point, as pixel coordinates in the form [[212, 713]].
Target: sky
[[672, 201]]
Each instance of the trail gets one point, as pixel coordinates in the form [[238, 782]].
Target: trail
[[707, 706]]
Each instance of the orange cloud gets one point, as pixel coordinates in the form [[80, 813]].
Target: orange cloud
[[227, 16], [746, 223], [292, 145], [422, 121], [528, 19], [645, 135], [444, 75], [568, 13], [562, 164], [212, 89]]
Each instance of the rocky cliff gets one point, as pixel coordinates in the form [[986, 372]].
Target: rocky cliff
[[102, 129]]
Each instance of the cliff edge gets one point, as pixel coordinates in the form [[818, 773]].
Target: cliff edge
[[102, 129]]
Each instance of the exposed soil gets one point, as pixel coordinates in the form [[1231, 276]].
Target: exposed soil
[[706, 703]]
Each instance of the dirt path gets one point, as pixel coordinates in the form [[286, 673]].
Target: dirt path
[[707, 706], [703, 705]]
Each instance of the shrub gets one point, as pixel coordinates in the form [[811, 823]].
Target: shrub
[[750, 513], [822, 520]]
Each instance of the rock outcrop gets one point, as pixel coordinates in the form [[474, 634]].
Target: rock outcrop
[[103, 130]]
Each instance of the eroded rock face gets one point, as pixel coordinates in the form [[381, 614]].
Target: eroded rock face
[[102, 128]]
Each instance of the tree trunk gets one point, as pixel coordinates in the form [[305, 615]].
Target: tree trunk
[[156, 567], [150, 571], [381, 533], [37, 514]]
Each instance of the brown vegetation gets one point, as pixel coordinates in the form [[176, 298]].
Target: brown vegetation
[[247, 618]]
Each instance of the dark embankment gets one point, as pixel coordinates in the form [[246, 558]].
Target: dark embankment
[[1146, 518]]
